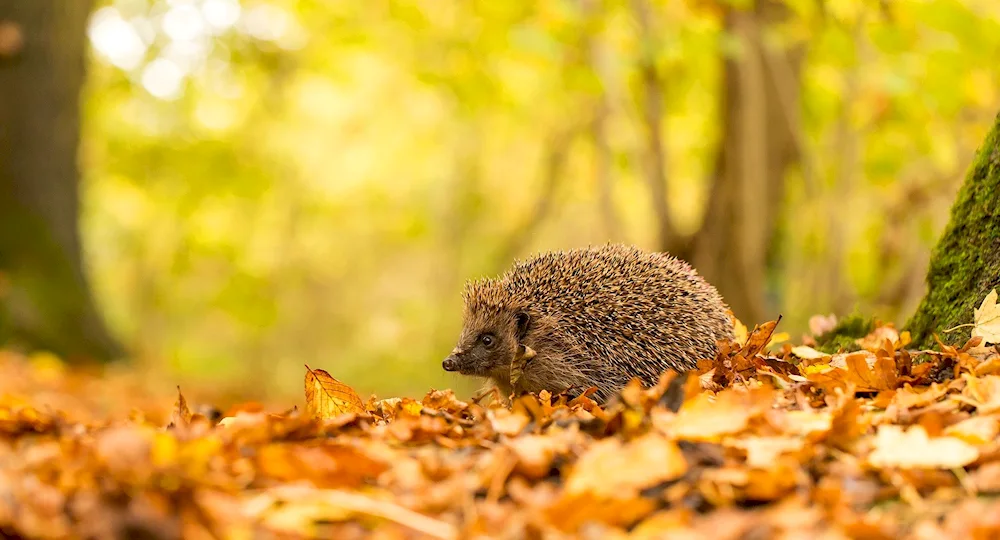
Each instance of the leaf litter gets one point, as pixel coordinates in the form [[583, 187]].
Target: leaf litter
[[767, 439]]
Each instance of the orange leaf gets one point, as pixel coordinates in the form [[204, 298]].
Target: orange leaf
[[880, 376], [327, 397], [759, 338]]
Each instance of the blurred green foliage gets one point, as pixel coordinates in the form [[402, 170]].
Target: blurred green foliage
[[273, 183]]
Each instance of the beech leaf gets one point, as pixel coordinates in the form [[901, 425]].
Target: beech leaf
[[327, 397]]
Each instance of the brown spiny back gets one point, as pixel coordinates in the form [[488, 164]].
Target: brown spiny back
[[602, 315]]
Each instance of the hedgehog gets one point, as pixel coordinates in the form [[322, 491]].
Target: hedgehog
[[589, 317]]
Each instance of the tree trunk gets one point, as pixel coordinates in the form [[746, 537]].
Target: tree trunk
[[760, 109], [48, 303], [965, 264]]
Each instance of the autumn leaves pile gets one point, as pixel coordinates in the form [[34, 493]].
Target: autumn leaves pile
[[770, 439]]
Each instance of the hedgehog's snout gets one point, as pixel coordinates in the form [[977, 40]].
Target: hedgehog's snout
[[453, 362]]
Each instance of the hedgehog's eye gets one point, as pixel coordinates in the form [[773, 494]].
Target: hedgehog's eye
[[488, 340]]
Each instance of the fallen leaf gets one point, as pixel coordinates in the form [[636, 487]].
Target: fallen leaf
[[294, 509], [877, 337], [977, 430], [706, 419], [880, 375], [759, 338], [910, 398], [807, 353], [327, 397], [987, 319], [181, 414], [983, 393], [614, 469], [763, 452], [913, 449]]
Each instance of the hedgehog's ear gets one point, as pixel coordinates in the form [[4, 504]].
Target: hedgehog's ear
[[522, 320]]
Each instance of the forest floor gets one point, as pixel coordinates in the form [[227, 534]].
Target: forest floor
[[770, 440]]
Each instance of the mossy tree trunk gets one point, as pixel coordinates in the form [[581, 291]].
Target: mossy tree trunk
[[45, 299], [965, 264]]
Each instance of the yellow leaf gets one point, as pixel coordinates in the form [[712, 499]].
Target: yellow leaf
[[779, 337], [327, 397], [807, 353], [740, 332], [987, 319]]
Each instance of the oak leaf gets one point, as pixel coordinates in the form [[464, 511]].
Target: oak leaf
[[987, 319], [327, 397]]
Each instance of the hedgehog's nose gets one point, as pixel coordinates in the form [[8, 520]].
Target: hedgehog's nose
[[450, 363]]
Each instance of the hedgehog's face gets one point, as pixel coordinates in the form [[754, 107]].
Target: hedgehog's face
[[487, 345]]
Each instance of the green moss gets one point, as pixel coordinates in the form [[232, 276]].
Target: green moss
[[842, 336], [965, 264]]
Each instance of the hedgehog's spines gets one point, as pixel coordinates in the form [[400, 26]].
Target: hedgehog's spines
[[604, 314]]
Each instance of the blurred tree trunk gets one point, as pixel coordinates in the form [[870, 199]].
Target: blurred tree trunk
[[655, 163], [759, 143], [965, 264], [48, 303]]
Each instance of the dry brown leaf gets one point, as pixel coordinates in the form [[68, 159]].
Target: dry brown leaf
[[327, 397], [181, 414], [759, 338]]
